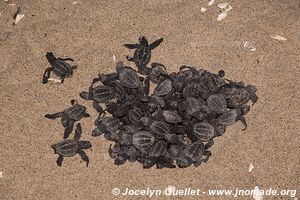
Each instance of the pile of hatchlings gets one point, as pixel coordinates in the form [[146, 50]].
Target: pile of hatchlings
[[175, 125]]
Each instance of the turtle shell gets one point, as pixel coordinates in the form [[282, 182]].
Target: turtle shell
[[171, 116], [191, 90], [217, 103], [158, 149], [66, 147], [143, 140], [163, 88], [129, 78], [62, 68], [135, 115], [76, 112], [193, 105], [194, 151], [229, 117], [142, 56], [159, 128], [102, 93], [203, 131]]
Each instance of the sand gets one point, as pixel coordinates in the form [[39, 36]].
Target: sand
[[92, 32]]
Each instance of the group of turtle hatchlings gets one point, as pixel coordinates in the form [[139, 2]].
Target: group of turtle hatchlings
[[173, 126]]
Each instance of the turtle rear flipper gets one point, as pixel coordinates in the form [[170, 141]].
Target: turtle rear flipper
[[54, 116], [78, 132], [84, 157]]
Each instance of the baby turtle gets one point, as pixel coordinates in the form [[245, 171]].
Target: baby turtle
[[128, 77], [70, 147], [59, 67], [231, 116], [159, 129], [163, 88], [203, 131], [171, 116], [142, 53], [106, 124], [217, 103], [143, 141], [158, 149], [99, 94], [68, 117]]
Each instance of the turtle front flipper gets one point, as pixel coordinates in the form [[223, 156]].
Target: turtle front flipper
[[46, 75], [131, 46], [68, 129], [54, 116], [84, 157], [60, 160], [155, 44], [66, 59]]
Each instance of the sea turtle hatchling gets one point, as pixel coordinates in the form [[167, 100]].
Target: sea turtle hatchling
[[142, 53], [99, 94], [59, 67], [68, 117], [128, 77], [143, 141], [70, 147], [231, 116]]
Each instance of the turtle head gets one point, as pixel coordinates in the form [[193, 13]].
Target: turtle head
[[143, 41], [85, 144], [50, 57], [85, 95]]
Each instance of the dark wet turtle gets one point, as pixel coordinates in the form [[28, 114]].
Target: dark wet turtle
[[171, 116], [163, 88], [203, 131], [143, 141], [59, 67], [70, 147], [128, 77], [231, 116], [142, 53], [68, 117], [217, 103]]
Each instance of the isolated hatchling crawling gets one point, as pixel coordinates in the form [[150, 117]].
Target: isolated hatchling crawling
[[69, 116], [70, 147], [59, 67], [142, 54]]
